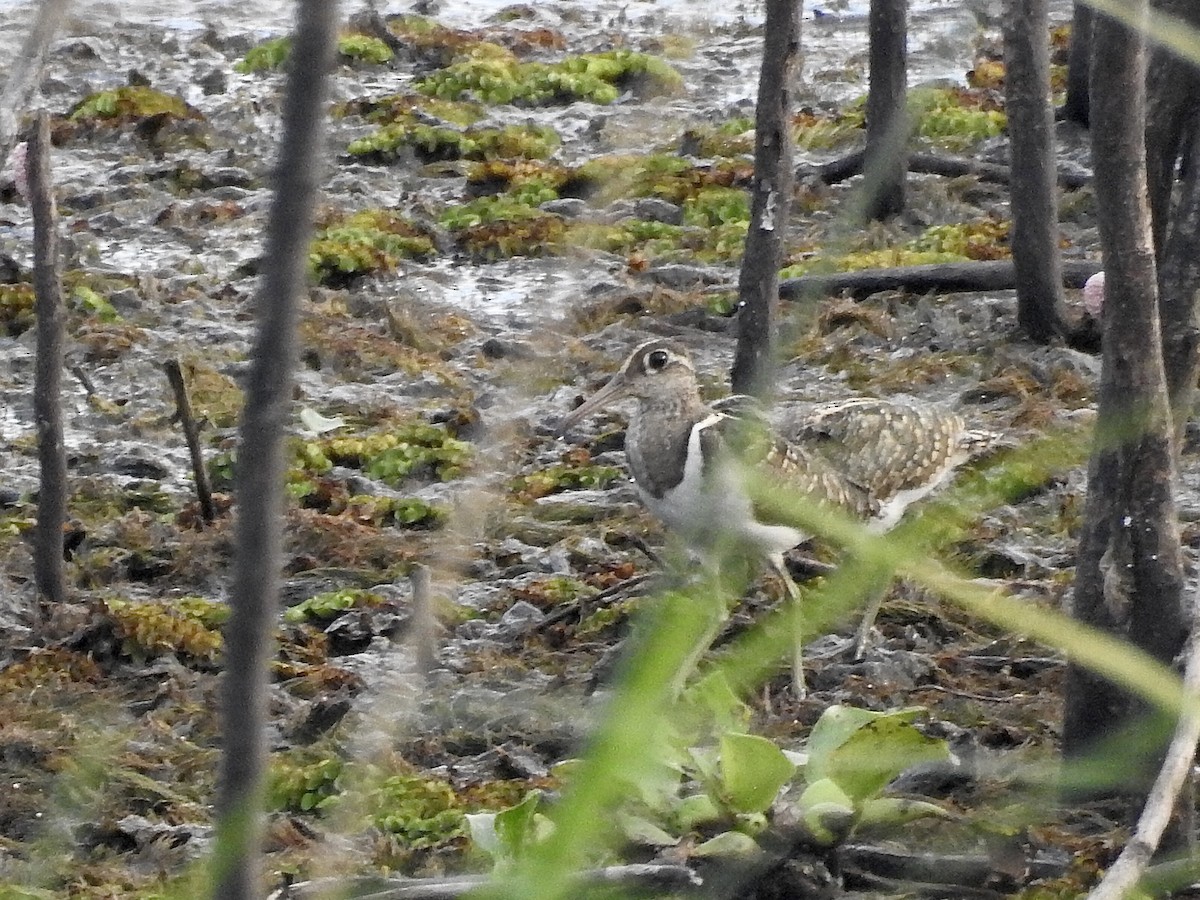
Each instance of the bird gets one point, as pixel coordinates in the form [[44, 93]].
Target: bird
[[871, 458]]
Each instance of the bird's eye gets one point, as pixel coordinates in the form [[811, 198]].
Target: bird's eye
[[656, 360]]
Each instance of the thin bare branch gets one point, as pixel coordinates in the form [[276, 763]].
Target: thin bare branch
[[191, 433], [1131, 865], [49, 570]]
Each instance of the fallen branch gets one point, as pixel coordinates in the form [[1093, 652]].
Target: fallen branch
[[943, 874], [49, 570], [653, 877], [1127, 871], [845, 167], [942, 278], [191, 433]]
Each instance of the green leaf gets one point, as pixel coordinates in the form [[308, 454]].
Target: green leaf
[[753, 769], [644, 832], [878, 752], [695, 810], [728, 843], [483, 832], [884, 811], [514, 826]]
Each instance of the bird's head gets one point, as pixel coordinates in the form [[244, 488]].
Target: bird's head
[[657, 371]]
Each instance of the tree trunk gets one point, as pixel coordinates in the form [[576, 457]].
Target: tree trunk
[[771, 200], [48, 568], [1172, 122], [1129, 575], [1034, 196], [1079, 61], [1171, 111], [261, 466], [886, 161]]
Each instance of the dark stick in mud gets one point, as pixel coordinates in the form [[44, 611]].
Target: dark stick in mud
[[49, 568], [191, 433]]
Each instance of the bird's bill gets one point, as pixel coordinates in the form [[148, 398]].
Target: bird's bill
[[616, 389]]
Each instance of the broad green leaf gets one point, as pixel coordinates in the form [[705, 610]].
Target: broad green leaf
[[728, 843], [878, 752], [514, 826], [835, 727], [753, 769]]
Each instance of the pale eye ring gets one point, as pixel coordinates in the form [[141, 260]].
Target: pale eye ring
[[656, 360]]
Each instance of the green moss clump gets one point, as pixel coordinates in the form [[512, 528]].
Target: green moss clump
[[270, 54], [650, 239], [979, 239], [364, 243], [364, 48], [404, 512], [186, 627], [434, 143], [420, 812], [48, 669], [352, 48], [389, 108], [303, 781], [16, 308], [415, 449], [712, 206], [956, 118], [493, 75], [525, 181], [327, 606], [130, 103], [571, 475], [665, 175]]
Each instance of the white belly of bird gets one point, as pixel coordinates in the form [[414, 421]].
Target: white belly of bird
[[707, 508]]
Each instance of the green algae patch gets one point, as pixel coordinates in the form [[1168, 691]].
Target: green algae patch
[[438, 143], [494, 75], [130, 103], [347, 247]]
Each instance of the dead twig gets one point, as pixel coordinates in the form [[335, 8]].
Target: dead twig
[[191, 433], [1121, 878]]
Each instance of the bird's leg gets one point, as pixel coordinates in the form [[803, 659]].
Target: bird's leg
[[863, 637], [875, 593], [799, 688]]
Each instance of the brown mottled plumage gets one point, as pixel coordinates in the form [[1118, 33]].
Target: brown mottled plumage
[[871, 458]]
